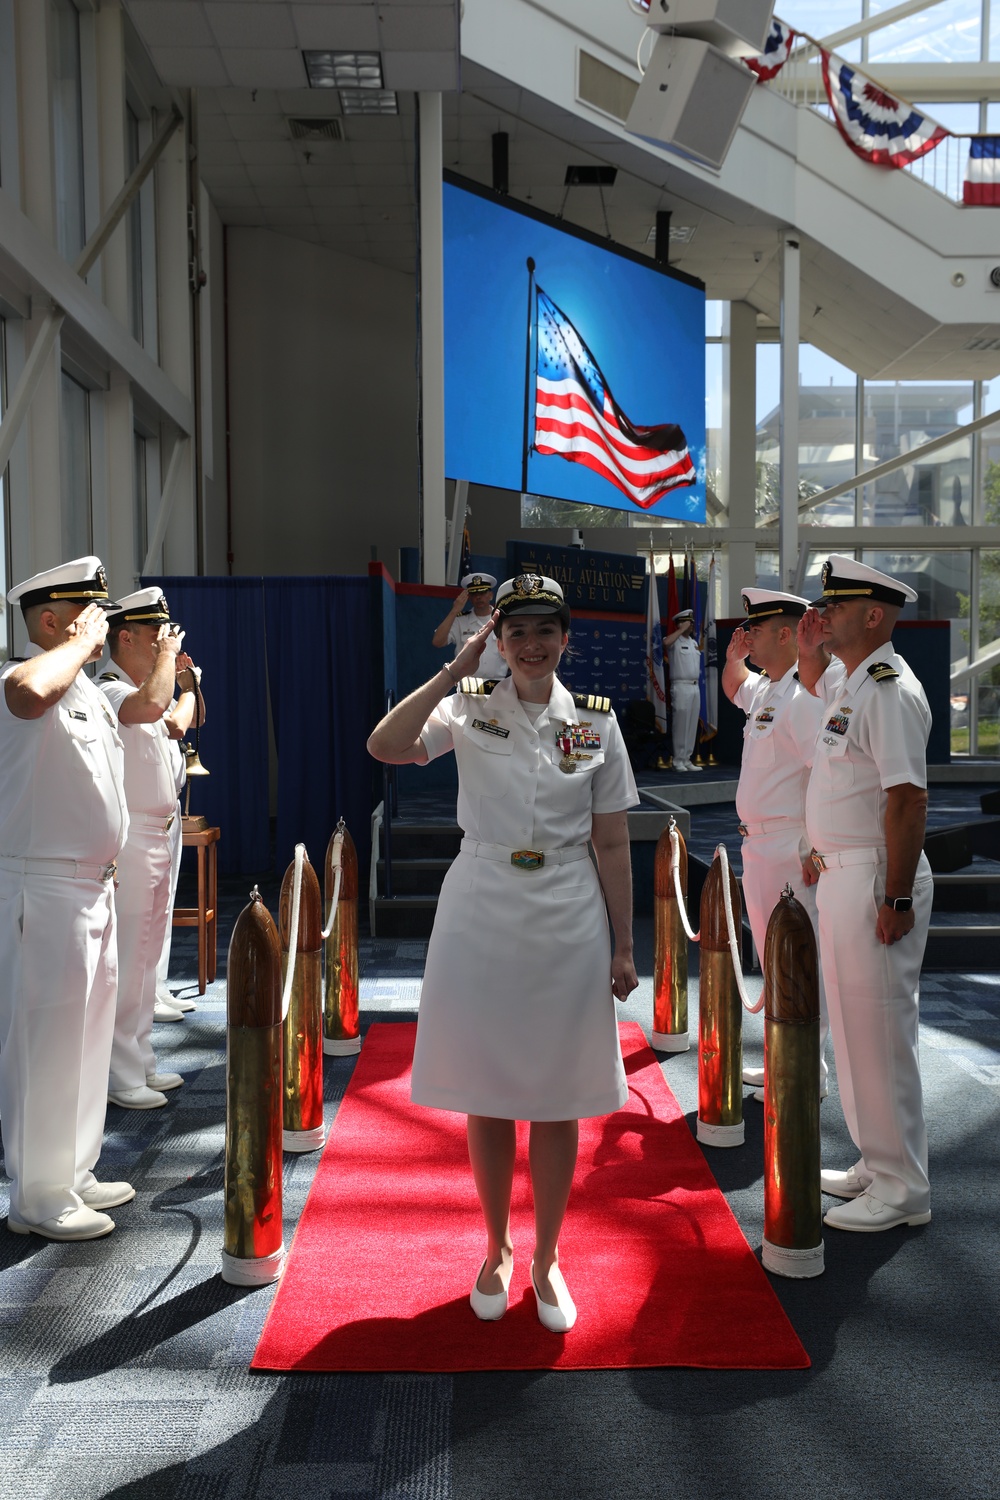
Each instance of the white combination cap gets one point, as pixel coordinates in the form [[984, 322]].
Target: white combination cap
[[843, 578], [82, 581]]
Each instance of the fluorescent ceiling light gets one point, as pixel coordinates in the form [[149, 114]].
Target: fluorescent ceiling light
[[338, 70], [368, 102]]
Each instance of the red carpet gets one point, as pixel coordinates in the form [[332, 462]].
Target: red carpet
[[390, 1240]]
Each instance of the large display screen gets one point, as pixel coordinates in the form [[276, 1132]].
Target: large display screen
[[571, 369]]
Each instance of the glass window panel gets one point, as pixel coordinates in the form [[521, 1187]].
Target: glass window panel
[[994, 49], [827, 401], [74, 444], [993, 110], [67, 128], [898, 417], [947, 32], [960, 119], [822, 18], [713, 319], [768, 406], [987, 696], [943, 582], [713, 414], [140, 512]]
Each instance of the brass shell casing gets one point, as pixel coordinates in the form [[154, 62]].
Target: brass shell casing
[[253, 1223], [670, 944], [341, 1027], [302, 1063], [720, 1019]]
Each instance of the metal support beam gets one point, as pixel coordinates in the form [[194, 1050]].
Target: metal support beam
[[23, 393], [875, 23], [431, 293], [788, 416], [964, 671], [460, 505]]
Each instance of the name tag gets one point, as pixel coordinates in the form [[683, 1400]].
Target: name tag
[[77, 713], [489, 727]]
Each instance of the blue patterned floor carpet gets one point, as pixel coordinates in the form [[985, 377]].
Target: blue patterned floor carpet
[[123, 1363]]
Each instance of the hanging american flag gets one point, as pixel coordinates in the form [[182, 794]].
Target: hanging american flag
[[882, 129], [982, 175], [577, 418], [770, 62]]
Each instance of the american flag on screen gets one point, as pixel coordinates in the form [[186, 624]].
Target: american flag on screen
[[577, 418]]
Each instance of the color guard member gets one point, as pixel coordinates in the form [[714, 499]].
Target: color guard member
[[782, 721], [146, 664], [63, 820], [866, 808], [685, 690], [456, 628]]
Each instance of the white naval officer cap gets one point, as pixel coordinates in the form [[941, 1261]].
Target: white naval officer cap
[[684, 614], [759, 604], [146, 607], [530, 594], [478, 583], [82, 581], [843, 578]]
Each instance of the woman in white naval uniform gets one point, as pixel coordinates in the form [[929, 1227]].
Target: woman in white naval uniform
[[63, 820], [517, 1019], [782, 721], [865, 814]]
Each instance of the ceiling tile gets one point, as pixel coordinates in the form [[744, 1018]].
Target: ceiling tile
[[350, 28], [189, 67], [248, 101], [171, 23], [409, 28], [420, 71], [250, 25], [253, 67], [264, 125], [268, 153]]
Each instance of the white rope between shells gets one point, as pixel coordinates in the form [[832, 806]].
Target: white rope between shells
[[734, 948], [293, 941], [338, 850], [675, 870]]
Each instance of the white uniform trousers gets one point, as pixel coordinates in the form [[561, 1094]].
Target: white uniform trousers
[[176, 849], [770, 862], [142, 897], [872, 994], [685, 702], [58, 976]]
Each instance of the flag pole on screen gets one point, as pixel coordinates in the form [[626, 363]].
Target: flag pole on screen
[[655, 686], [527, 375]]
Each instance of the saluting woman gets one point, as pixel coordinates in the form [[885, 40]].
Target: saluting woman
[[517, 1020]]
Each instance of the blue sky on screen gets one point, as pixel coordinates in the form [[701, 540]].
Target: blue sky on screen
[[645, 330]]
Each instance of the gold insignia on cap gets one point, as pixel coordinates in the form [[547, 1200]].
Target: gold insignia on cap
[[102, 578], [164, 606], [746, 605], [824, 576], [527, 584]]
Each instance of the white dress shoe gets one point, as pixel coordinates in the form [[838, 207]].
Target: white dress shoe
[[164, 1012], [166, 997], [71, 1224], [104, 1195], [559, 1319], [842, 1184], [754, 1077], [140, 1098], [163, 1081], [681, 765], [489, 1306], [867, 1215]]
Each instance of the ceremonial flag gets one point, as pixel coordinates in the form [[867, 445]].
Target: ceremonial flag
[[465, 566], [710, 673], [770, 62], [982, 175], [882, 129], [655, 687], [672, 601], [577, 418]]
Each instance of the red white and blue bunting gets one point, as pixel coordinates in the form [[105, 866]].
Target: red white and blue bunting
[[982, 175], [775, 54], [882, 129]]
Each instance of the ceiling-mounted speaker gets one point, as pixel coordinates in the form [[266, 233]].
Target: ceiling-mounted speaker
[[692, 97], [733, 26]]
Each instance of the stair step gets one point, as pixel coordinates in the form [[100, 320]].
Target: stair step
[[403, 916]]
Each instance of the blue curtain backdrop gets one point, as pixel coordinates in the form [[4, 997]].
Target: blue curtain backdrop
[[319, 673], [223, 618]]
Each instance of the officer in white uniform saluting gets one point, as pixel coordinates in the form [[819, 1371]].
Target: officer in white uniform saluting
[[685, 691], [146, 664], [63, 820], [866, 807], [456, 628], [168, 1006], [782, 721]]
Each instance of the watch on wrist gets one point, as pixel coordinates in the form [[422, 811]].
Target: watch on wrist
[[899, 903]]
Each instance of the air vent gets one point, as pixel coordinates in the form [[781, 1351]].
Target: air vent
[[588, 176], [603, 87], [316, 130], [983, 345]]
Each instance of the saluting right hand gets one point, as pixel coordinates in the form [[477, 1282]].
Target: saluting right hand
[[168, 640], [90, 627], [466, 662], [810, 632], [739, 647], [461, 601]]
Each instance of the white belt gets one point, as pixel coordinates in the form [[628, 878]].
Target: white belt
[[847, 857], [769, 825], [524, 859], [70, 869], [161, 823]]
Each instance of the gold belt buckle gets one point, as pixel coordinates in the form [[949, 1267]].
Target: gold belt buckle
[[818, 861], [744, 830], [527, 859], [169, 823], [110, 871]]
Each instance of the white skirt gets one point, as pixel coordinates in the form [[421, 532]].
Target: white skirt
[[517, 1020]]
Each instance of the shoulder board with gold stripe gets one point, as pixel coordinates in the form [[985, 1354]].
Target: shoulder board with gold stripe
[[109, 677], [593, 702], [476, 686], [881, 671], [761, 672]]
